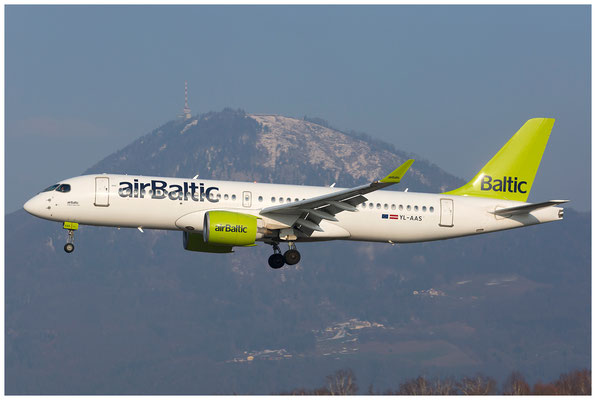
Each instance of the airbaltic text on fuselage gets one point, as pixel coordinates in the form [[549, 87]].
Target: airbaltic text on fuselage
[[507, 184], [161, 190]]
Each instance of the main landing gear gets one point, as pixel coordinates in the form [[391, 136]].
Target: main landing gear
[[290, 257], [71, 227]]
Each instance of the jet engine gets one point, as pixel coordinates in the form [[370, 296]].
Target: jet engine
[[194, 242], [232, 229]]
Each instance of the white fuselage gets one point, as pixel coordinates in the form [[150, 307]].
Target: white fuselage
[[387, 216]]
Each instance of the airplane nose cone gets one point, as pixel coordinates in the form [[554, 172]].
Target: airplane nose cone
[[28, 206], [32, 206]]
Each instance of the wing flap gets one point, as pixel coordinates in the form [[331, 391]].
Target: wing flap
[[526, 208]]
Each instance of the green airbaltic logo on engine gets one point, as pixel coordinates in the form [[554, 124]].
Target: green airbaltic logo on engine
[[507, 184], [231, 228]]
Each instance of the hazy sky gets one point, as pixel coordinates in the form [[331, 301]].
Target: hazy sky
[[450, 83]]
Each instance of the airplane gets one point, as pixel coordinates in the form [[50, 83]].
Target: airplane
[[216, 216]]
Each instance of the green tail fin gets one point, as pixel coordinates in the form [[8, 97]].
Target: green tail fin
[[510, 173]]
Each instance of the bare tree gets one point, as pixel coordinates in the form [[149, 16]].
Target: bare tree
[[342, 382], [477, 385], [544, 388], [576, 382], [444, 386], [417, 386], [516, 384], [320, 392], [371, 390], [423, 386]]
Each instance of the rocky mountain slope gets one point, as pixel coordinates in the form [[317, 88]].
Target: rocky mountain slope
[[265, 148], [133, 313]]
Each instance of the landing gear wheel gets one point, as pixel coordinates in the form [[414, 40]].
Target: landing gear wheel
[[276, 261], [71, 227], [292, 257], [69, 247]]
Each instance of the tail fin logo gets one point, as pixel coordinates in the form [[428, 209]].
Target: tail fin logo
[[507, 184], [509, 175]]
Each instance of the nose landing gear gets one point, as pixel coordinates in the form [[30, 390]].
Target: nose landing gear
[[71, 227], [69, 247], [290, 257]]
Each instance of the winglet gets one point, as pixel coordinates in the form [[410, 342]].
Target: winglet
[[398, 173]]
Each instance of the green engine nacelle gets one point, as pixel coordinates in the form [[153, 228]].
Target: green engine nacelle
[[230, 228], [195, 242]]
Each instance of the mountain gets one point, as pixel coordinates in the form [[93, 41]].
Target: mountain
[[133, 313], [266, 148]]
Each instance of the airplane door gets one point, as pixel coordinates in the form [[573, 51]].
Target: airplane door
[[246, 199], [102, 192], [446, 213]]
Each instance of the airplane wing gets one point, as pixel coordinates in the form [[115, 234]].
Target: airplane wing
[[307, 214], [526, 208]]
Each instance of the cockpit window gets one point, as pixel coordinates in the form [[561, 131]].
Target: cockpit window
[[63, 188], [51, 188]]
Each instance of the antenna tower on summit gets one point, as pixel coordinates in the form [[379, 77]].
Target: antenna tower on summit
[[186, 113]]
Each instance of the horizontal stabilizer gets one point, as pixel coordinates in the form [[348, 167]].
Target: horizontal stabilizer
[[527, 208]]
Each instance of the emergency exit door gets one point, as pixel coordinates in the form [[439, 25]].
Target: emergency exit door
[[446, 213], [102, 192], [246, 199]]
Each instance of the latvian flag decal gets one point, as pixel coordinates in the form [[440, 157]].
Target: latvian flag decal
[[389, 216]]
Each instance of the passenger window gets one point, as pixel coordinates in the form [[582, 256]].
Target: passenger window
[[415, 208], [370, 205], [226, 197], [393, 206], [386, 207], [295, 199], [219, 196], [431, 209], [401, 207], [423, 208], [260, 198], [233, 197], [378, 205], [364, 205], [409, 207], [288, 200], [281, 199], [273, 199]]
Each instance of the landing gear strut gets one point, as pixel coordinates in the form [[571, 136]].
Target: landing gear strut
[[71, 227], [290, 257], [69, 246]]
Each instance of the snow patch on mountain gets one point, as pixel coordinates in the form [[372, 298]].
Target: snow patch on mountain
[[189, 125], [326, 148]]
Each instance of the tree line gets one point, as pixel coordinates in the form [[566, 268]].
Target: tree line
[[343, 382]]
